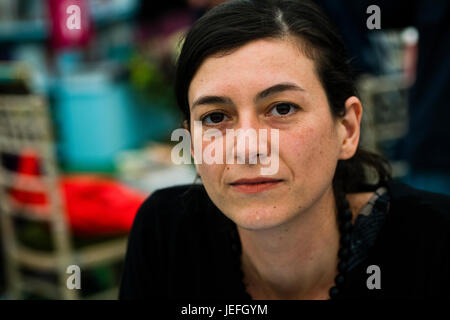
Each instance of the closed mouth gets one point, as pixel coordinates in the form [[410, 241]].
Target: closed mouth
[[255, 181], [255, 185]]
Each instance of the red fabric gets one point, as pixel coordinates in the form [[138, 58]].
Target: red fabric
[[98, 205], [28, 166], [93, 205]]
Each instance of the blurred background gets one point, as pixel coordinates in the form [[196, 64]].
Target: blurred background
[[86, 117]]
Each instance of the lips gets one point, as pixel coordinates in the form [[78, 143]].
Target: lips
[[255, 185], [255, 181]]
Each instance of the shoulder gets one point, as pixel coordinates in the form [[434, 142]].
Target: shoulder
[[177, 213], [418, 219], [169, 205], [160, 235], [411, 246], [171, 196], [180, 245], [419, 204]]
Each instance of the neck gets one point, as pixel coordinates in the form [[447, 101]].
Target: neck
[[296, 260]]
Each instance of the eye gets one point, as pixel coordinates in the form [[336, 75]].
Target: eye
[[214, 118], [283, 109]]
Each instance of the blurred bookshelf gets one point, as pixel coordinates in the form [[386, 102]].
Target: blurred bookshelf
[[106, 97]]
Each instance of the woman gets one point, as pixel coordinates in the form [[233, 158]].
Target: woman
[[329, 223]]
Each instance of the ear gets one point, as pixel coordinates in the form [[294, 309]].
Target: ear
[[350, 125]]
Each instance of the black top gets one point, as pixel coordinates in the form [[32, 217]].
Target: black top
[[182, 247]]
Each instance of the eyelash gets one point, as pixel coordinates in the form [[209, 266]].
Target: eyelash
[[295, 108]]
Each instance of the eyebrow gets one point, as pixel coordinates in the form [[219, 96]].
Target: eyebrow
[[280, 87]]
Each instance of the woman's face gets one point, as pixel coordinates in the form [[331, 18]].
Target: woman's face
[[310, 140]]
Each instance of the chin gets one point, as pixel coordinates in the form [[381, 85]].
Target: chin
[[259, 218]]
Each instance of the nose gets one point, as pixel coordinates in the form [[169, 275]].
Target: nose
[[252, 141]]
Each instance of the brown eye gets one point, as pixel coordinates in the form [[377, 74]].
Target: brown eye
[[214, 118], [283, 109]]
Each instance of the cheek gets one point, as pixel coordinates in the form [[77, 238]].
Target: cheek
[[208, 172], [300, 144], [213, 161], [309, 150]]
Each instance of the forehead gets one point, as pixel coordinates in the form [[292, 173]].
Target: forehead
[[254, 66]]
